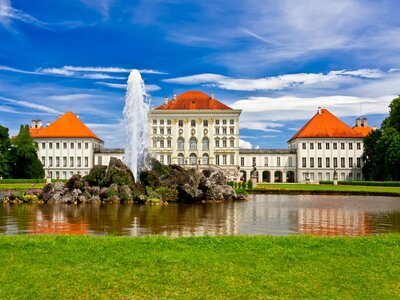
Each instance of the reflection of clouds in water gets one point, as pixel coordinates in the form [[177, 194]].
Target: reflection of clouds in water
[[263, 214]]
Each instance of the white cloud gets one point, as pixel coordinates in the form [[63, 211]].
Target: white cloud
[[263, 126], [31, 105], [109, 70], [73, 97], [149, 87], [244, 144], [8, 14], [276, 82], [102, 6], [5, 68]]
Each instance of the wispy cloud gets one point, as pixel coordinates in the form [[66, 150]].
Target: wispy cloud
[[102, 6], [109, 70], [27, 104], [8, 14], [149, 87]]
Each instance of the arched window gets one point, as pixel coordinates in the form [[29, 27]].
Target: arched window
[[193, 159], [180, 159], [206, 144], [193, 144], [205, 160], [181, 143], [224, 143], [217, 143]]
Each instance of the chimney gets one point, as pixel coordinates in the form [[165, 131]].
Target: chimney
[[374, 128], [174, 96], [319, 110], [165, 100], [33, 124], [364, 122], [212, 96], [39, 124], [358, 122], [77, 116], [47, 124]]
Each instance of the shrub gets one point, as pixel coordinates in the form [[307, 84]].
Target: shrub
[[243, 185], [96, 177], [250, 184], [21, 195], [167, 194], [22, 181], [365, 183]]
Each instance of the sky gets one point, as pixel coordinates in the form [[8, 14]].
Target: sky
[[278, 61]]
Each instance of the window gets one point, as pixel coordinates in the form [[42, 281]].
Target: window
[[57, 145], [181, 144], [205, 123], [169, 122], [351, 146], [193, 123], [216, 130], [328, 176], [303, 146], [335, 162], [342, 146], [72, 145], [319, 146], [342, 162], [224, 130], [232, 143], [64, 175], [43, 160], [180, 123], [217, 160], [290, 161], [278, 161], [154, 130], [162, 159], [216, 122], [223, 122], [86, 161], [319, 176], [350, 176], [57, 175], [311, 162], [65, 145], [304, 162], [231, 121], [232, 130], [242, 161], [162, 144], [161, 122], [327, 146], [358, 162], [71, 161], [224, 161], [193, 144], [50, 145], [154, 122], [79, 145], [232, 159], [180, 159], [86, 145], [328, 162], [265, 161], [342, 176], [100, 160], [319, 162], [161, 130], [350, 162], [169, 159], [64, 161], [79, 162], [224, 143], [312, 146], [254, 161], [57, 161], [154, 144], [205, 160], [50, 161], [205, 144], [43, 145], [169, 130], [334, 146], [169, 145], [217, 143], [358, 146]]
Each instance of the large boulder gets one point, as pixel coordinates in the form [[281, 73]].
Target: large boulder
[[75, 182], [189, 193], [125, 193], [52, 192], [118, 173], [96, 176]]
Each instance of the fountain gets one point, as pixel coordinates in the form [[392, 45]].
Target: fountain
[[137, 104]]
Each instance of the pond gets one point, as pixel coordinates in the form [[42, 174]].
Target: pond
[[261, 215]]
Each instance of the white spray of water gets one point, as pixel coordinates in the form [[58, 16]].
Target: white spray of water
[[137, 104]]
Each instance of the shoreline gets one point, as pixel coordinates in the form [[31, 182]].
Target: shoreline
[[256, 191]]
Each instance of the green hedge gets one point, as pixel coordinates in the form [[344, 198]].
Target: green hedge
[[10, 181], [365, 183]]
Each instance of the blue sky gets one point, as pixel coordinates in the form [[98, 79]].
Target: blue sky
[[278, 61]]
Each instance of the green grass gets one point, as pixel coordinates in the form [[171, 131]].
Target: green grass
[[20, 186], [327, 188], [73, 267]]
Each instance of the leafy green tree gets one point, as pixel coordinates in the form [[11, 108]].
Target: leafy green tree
[[392, 159], [393, 120], [4, 152], [23, 156]]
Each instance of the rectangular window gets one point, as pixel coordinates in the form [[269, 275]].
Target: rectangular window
[[311, 162], [342, 146], [350, 176], [86, 145], [216, 122], [79, 145], [161, 122], [57, 145], [224, 143], [169, 159], [327, 146], [232, 130], [205, 123], [154, 122], [216, 130], [86, 161], [319, 162], [231, 121], [231, 143], [193, 123], [351, 146], [303, 146], [43, 145], [169, 143], [79, 161], [304, 162], [65, 145], [350, 162], [99, 160], [50, 145], [334, 146], [58, 175], [232, 160], [72, 145], [224, 130], [180, 123], [154, 144], [162, 159], [328, 176], [342, 162], [50, 161], [162, 144], [278, 161], [154, 130], [57, 161], [328, 162], [335, 162], [242, 161], [358, 146], [217, 160], [169, 130], [265, 161], [312, 146], [342, 176], [43, 160], [161, 130], [224, 162], [319, 146], [169, 122], [216, 143], [64, 175], [223, 122], [71, 161], [290, 161], [64, 161], [358, 162], [319, 176], [254, 161]]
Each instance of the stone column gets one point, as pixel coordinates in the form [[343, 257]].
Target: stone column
[[272, 176], [283, 176]]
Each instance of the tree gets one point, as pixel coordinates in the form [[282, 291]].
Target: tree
[[4, 152], [392, 158], [23, 156], [393, 120]]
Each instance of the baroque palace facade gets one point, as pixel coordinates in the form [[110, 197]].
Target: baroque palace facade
[[195, 130]]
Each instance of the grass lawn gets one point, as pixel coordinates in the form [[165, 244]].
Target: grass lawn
[[20, 186], [81, 267], [327, 188]]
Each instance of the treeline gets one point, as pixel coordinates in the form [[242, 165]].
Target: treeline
[[382, 148], [18, 155]]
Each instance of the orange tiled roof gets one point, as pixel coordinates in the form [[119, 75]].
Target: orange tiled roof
[[363, 130], [326, 125], [66, 126], [193, 100]]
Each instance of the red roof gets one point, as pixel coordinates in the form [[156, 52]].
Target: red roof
[[193, 100], [326, 125], [363, 130], [66, 126]]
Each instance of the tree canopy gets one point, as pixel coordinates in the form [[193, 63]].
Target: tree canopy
[[382, 148]]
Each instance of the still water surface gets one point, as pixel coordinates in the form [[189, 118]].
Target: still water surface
[[262, 214]]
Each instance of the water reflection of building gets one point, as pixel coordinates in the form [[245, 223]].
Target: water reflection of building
[[333, 221]]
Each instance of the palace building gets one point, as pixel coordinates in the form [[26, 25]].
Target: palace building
[[195, 130]]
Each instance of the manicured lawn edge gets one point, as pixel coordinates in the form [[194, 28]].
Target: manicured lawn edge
[[253, 267]]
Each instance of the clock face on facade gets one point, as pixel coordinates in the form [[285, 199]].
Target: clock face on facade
[[180, 131], [205, 131], [193, 132]]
